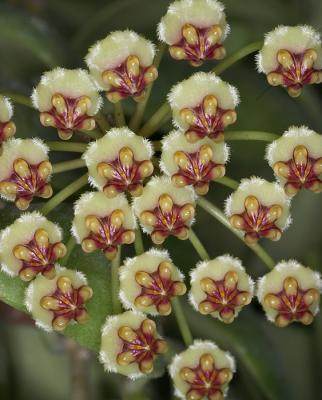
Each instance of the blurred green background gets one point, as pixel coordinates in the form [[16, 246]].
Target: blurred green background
[[37, 35]]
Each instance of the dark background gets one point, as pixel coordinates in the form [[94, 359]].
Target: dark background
[[273, 363]]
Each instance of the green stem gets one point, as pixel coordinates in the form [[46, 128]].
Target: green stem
[[93, 134], [198, 246], [141, 106], [116, 304], [231, 183], [237, 56], [251, 135], [72, 147], [70, 247], [138, 244], [68, 165], [19, 98], [102, 122], [64, 194], [182, 322], [219, 215], [119, 114]]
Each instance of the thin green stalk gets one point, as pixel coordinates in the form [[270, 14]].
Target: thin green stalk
[[198, 246], [237, 56], [70, 247], [182, 322], [68, 165], [64, 194], [141, 106], [119, 114], [138, 244], [72, 147], [229, 182], [102, 122], [160, 117], [19, 98], [93, 134], [251, 135], [163, 113], [219, 215], [116, 304]]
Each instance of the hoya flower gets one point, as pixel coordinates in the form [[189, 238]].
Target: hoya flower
[[193, 163], [31, 246], [119, 162], [203, 371], [296, 158], [130, 343], [7, 127], [165, 210], [54, 303], [290, 293], [67, 100], [24, 171], [291, 57], [121, 64], [203, 105], [103, 224], [195, 30], [149, 281], [221, 288], [259, 209]]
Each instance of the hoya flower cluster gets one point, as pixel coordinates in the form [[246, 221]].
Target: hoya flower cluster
[[120, 166]]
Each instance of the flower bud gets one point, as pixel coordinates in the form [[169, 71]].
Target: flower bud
[[291, 57], [221, 288], [31, 246], [54, 303], [102, 223], [7, 127], [193, 163], [130, 344], [121, 64], [203, 105], [24, 171], [296, 159], [203, 371], [67, 100], [259, 209], [149, 281], [195, 30], [165, 210], [119, 162], [290, 293]]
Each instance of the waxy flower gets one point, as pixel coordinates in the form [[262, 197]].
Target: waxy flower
[[259, 209], [290, 293], [7, 127], [31, 246], [165, 210], [203, 105], [130, 343], [54, 303], [67, 100], [149, 281], [195, 30], [119, 162], [193, 163], [203, 371], [291, 57], [121, 64], [296, 158], [221, 288], [24, 171], [103, 224]]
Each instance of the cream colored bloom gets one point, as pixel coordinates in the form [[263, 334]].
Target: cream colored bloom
[[7, 127], [289, 293], [202, 359], [221, 288]]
